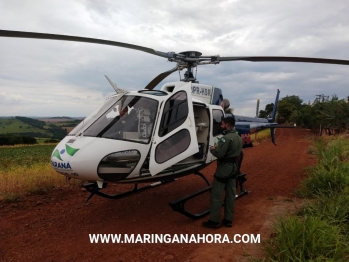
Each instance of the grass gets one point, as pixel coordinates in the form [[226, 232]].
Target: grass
[[331, 174], [307, 238], [261, 135], [330, 151], [320, 229], [22, 181], [324, 180], [27, 170], [334, 209]]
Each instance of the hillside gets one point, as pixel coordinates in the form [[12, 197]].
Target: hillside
[[55, 129]]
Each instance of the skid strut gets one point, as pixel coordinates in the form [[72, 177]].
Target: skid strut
[[240, 179], [94, 189], [178, 205]]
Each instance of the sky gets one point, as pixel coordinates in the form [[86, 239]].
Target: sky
[[59, 78]]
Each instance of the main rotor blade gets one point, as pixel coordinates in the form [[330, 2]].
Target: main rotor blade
[[285, 59], [20, 34], [160, 77]]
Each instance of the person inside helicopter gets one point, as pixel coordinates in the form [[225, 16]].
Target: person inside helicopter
[[130, 118], [125, 122], [145, 108], [145, 113]]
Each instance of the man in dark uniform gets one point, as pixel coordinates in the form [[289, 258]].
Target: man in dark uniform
[[227, 152]]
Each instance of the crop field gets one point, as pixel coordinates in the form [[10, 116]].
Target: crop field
[[27, 169], [24, 156]]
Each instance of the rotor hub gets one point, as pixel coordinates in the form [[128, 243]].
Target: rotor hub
[[191, 54]]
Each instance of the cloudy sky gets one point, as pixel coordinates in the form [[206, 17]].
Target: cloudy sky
[[56, 78]]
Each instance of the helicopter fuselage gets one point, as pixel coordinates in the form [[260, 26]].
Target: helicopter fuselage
[[146, 135]]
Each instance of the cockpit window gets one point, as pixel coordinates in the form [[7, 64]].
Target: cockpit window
[[217, 121], [92, 117], [130, 118], [175, 113]]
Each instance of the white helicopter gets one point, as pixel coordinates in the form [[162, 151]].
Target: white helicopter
[[153, 135]]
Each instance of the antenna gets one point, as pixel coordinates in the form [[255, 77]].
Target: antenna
[[117, 90], [257, 108]]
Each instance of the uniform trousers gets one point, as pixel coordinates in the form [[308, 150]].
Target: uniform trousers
[[217, 192]]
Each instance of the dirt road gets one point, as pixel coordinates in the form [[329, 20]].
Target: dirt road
[[56, 226]]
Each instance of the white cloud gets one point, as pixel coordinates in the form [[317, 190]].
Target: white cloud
[[67, 78]]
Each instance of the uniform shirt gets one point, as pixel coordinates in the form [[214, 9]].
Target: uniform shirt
[[230, 145]]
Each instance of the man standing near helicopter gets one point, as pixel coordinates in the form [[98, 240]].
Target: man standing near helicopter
[[227, 152]]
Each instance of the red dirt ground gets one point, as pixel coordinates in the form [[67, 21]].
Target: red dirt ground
[[56, 226]]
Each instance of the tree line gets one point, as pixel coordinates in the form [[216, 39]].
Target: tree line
[[30, 121], [14, 139], [330, 115]]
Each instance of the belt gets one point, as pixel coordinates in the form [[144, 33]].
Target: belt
[[228, 160]]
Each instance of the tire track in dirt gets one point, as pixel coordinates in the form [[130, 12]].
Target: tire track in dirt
[[55, 226]]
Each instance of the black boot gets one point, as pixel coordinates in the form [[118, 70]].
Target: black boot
[[211, 224], [227, 223]]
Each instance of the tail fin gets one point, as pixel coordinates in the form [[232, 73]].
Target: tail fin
[[273, 114]]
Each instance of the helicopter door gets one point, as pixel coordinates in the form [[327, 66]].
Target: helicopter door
[[175, 135]]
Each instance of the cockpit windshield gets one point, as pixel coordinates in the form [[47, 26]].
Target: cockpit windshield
[[92, 117], [130, 118]]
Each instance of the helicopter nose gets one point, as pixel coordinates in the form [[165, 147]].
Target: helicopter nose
[[60, 159]]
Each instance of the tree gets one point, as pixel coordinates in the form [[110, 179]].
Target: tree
[[332, 115], [335, 114], [267, 112], [303, 116], [287, 105]]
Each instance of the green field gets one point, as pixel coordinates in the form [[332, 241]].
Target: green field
[[34, 128], [13, 125], [27, 170], [24, 156]]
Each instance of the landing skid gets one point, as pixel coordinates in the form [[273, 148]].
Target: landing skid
[[178, 205], [95, 190]]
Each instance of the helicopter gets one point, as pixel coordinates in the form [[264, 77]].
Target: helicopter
[[151, 135]]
